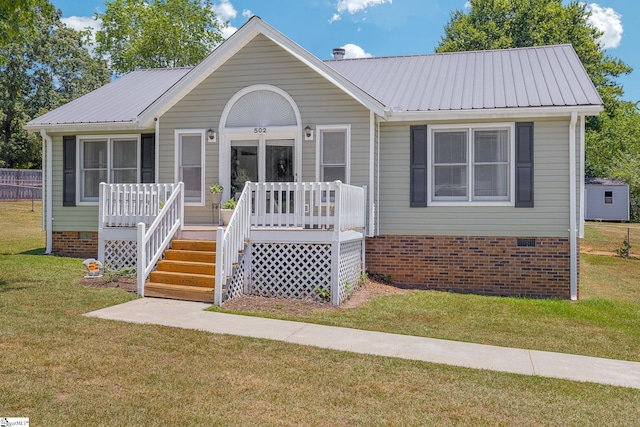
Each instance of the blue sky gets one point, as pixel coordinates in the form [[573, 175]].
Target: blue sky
[[386, 27]]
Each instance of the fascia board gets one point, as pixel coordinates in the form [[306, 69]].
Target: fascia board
[[86, 127], [496, 113]]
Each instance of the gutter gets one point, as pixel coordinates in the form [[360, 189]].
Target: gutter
[[573, 241], [47, 213]]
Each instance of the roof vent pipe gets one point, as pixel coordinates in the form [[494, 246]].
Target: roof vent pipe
[[338, 53]]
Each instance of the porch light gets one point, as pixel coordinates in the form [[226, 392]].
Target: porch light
[[211, 134], [308, 132]]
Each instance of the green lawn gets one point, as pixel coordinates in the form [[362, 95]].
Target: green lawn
[[609, 237], [60, 368]]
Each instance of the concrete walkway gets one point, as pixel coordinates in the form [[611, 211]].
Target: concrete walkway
[[190, 315]]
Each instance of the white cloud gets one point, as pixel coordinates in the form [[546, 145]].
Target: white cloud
[[354, 6], [246, 14], [224, 12], [81, 23], [467, 5], [609, 22], [355, 51]]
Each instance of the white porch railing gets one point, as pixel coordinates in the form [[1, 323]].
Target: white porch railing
[[151, 243], [126, 205], [331, 206]]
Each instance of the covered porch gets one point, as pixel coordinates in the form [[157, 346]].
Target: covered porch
[[284, 240]]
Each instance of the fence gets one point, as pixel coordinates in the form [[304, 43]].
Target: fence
[[20, 184]]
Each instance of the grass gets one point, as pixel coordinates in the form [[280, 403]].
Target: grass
[[609, 237], [61, 368]]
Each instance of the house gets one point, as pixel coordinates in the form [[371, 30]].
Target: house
[[458, 171], [606, 200]]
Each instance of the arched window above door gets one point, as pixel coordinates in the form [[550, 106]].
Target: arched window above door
[[262, 107]]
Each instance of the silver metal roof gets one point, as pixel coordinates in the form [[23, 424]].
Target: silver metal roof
[[545, 76], [603, 181], [119, 101]]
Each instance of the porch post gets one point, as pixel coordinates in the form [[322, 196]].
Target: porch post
[[335, 248], [220, 274], [140, 265], [101, 223]]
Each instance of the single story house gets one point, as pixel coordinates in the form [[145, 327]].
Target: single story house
[[458, 171], [606, 200]]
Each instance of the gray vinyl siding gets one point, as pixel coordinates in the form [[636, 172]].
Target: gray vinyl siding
[[263, 62], [549, 217], [83, 217]]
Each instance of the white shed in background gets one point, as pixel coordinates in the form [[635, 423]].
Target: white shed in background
[[606, 200]]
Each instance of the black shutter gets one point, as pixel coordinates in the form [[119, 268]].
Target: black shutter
[[524, 165], [148, 156], [419, 157], [68, 171]]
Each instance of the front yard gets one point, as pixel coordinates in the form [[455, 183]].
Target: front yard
[[61, 368]]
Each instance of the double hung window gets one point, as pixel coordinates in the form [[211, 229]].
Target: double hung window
[[107, 159], [333, 153], [190, 164], [471, 164]]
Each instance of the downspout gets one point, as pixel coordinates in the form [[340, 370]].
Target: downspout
[[47, 162], [582, 173], [377, 227], [573, 211], [157, 151], [372, 141]]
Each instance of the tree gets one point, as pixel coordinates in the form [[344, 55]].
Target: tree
[[500, 24], [157, 33], [41, 71], [17, 17]]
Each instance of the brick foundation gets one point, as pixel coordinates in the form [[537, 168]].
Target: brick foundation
[[480, 265], [70, 243]]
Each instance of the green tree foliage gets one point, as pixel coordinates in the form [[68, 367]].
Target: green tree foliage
[[500, 24], [613, 150], [17, 17], [41, 71], [157, 33]]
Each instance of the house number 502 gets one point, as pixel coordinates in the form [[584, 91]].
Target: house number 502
[[259, 130]]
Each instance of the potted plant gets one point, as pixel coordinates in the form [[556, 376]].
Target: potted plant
[[216, 193], [227, 210]]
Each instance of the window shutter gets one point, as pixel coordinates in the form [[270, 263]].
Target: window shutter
[[69, 170], [524, 165], [148, 155], [419, 157]]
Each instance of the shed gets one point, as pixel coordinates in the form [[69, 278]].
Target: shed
[[606, 200]]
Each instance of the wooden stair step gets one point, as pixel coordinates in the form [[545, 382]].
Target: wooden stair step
[[187, 267], [188, 293], [187, 255], [193, 245], [182, 279]]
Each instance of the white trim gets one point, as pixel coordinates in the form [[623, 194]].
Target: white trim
[[79, 161], [248, 133], [582, 173], [156, 150], [319, 130], [370, 197], [177, 158], [47, 142], [470, 179], [491, 113], [230, 47], [89, 127], [377, 230], [573, 209]]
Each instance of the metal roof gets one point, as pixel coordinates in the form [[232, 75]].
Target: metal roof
[[119, 101], [604, 181], [545, 76]]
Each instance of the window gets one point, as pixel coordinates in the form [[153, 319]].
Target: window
[[608, 197], [190, 164], [333, 153], [107, 159], [471, 164]]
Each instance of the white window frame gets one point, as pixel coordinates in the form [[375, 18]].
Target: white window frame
[[177, 156], [470, 128], [80, 139], [319, 130]]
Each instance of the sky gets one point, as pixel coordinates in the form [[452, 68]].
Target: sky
[[385, 27]]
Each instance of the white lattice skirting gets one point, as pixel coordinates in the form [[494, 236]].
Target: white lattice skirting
[[120, 253], [293, 270]]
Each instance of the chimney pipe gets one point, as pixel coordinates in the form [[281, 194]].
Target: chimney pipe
[[338, 53]]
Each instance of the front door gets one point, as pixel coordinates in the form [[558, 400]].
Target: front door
[[261, 160]]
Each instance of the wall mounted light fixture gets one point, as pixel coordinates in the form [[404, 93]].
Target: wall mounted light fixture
[[308, 133], [211, 134]]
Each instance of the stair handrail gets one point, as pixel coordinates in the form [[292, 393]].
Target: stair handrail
[[230, 241], [152, 242]]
